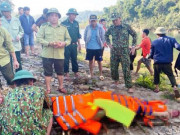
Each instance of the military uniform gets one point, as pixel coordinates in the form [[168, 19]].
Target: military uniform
[[71, 50], [120, 51], [23, 112]]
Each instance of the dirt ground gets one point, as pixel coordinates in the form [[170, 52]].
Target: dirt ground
[[86, 85]]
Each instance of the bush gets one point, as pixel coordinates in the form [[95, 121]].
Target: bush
[[146, 80]]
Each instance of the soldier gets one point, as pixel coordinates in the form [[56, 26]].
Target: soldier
[[54, 37], [71, 50], [6, 49], [13, 25], [120, 49], [25, 109]]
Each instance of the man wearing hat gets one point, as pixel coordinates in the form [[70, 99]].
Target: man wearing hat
[[13, 26], [94, 42], [71, 50], [27, 22], [162, 54], [25, 109], [54, 37], [120, 49], [7, 49]]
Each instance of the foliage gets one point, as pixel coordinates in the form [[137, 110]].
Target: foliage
[[146, 81], [147, 13]]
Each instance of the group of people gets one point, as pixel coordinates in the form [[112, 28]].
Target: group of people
[[60, 44]]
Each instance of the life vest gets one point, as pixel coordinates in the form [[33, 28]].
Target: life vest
[[75, 111], [141, 107]]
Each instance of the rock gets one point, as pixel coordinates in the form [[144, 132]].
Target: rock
[[83, 87]]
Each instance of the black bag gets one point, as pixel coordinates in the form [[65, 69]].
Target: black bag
[[177, 65]]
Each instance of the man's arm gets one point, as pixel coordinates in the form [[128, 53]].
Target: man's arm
[[133, 34], [151, 52], [41, 36], [10, 48], [85, 35], [79, 37], [67, 38], [21, 32], [107, 39], [176, 45]]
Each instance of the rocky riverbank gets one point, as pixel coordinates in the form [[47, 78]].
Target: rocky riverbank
[[85, 85]]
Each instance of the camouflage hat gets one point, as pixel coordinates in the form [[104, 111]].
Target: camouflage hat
[[93, 17], [114, 16], [160, 30], [72, 11], [23, 74], [6, 7], [53, 10]]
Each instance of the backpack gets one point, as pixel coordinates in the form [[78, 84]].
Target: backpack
[[177, 64]]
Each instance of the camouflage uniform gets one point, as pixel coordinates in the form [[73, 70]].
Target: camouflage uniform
[[23, 112], [120, 51]]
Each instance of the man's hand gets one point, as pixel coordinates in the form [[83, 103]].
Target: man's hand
[[110, 46], [105, 45], [79, 48], [17, 39], [16, 64], [133, 50], [59, 44], [1, 99]]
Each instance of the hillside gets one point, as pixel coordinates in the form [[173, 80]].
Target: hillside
[[147, 13]]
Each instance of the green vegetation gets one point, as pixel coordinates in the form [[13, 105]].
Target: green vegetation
[[147, 13], [146, 81]]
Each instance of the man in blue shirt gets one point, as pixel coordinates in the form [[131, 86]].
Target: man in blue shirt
[[94, 40], [162, 54], [27, 22]]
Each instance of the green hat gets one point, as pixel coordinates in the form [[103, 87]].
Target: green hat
[[114, 16], [93, 17], [72, 11], [5, 7], [53, 10], [160, 30], [23, 74]]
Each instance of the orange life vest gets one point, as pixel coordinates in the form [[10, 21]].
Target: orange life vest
[[73, 111], [143, 107]]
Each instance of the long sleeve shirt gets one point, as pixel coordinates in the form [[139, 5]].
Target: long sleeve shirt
[[48, 34], [6, 47], [15, 29], [162, 49]]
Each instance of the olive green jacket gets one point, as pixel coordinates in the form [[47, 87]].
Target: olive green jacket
[[6, 47], [48, 34]]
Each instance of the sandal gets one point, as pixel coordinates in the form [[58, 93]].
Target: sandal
[[174, 113], [101, 78], [156, 90], [63, 90], [177, 95]]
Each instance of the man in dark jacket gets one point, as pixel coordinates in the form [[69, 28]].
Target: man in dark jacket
[[27, 22], [162, 54]]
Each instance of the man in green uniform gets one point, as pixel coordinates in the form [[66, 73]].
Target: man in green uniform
[[7, 49], [25, 109], [54, 37], [120, 49], [71, 50]]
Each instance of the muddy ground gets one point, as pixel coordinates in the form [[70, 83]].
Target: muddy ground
[[86, 85]]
